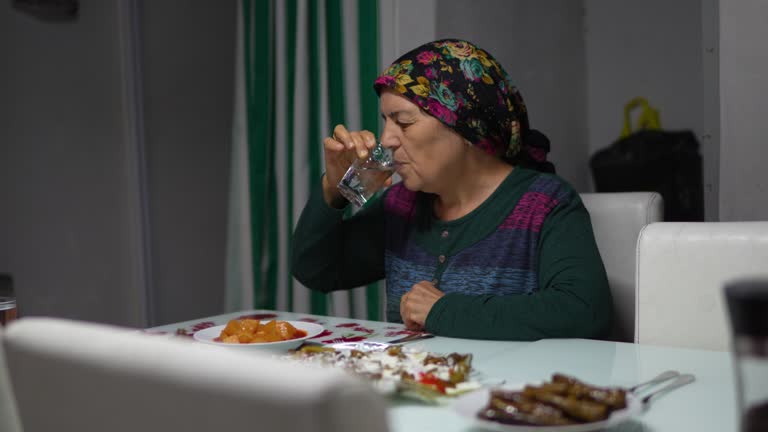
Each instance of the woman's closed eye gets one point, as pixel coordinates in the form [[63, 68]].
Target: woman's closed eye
[[401, 119]]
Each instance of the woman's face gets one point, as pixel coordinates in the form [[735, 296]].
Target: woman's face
[[427, 151]]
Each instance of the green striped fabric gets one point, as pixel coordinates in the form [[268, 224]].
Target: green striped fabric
[[290, 83], [334, 35], [318, 300], [303, 66], [369, 107], [259, 100]]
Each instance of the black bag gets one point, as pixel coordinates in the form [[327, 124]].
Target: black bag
[[654, 160]]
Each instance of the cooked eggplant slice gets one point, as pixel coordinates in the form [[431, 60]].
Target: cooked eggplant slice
[[615, 397], [563, 400], [516, 408]]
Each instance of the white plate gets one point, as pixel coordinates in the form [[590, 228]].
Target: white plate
[[208, 335], [469, 405]]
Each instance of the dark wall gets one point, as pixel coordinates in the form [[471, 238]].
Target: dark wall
[[189, 57], [68, 188]]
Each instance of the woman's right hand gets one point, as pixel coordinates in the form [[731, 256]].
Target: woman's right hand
[[341, 149]]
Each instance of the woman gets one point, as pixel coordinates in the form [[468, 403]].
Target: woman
[[475, 241]]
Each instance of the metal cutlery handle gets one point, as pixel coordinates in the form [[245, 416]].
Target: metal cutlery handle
[[412, 337], [678, 382], [660, 378]]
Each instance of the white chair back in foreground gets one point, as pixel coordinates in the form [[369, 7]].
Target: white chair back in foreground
[[84, 377], [681, 270], [617, 219]]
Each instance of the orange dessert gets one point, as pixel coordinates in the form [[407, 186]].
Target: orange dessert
[[253, 331]]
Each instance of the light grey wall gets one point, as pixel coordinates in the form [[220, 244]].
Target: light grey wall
[[189, 58], [404, 25], [633, 49], [710, 137], [68, 203], [743, 110], [65, 228], [541, 46]]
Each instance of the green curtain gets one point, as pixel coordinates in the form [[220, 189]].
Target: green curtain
[[303, 66]]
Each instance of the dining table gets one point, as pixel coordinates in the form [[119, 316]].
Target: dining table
[[706, 405]]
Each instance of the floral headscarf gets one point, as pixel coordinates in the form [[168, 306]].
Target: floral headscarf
[[467, 90]]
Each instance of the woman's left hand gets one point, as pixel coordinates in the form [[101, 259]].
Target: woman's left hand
[[416, 304]]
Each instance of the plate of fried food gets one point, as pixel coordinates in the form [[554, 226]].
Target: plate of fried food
[[397, 370], [563, 404], [262, 335]]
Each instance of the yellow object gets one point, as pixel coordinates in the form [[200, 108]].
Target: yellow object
[[649, 117]]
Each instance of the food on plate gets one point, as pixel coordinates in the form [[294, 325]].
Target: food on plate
[[615, 397], [244, 331], [397, 369], [562, 401]]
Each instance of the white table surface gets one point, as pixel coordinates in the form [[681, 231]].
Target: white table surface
[[706, 405]]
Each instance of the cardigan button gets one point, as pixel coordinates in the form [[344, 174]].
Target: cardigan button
[[441, 258], [444, 234]]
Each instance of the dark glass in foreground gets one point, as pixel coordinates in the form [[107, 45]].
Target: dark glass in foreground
[[747, 301], [756, 419], [7, 310]]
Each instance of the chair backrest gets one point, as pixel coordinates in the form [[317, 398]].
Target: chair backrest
[[9, 419], [681, 270], [85, 377], [617, 219]]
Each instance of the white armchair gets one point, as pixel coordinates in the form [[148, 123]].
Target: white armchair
[[85, 377], [681, 270], [617, 219]]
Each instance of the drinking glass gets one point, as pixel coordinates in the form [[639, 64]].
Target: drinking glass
[[748, 309], [7, 310], [365, 177]]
